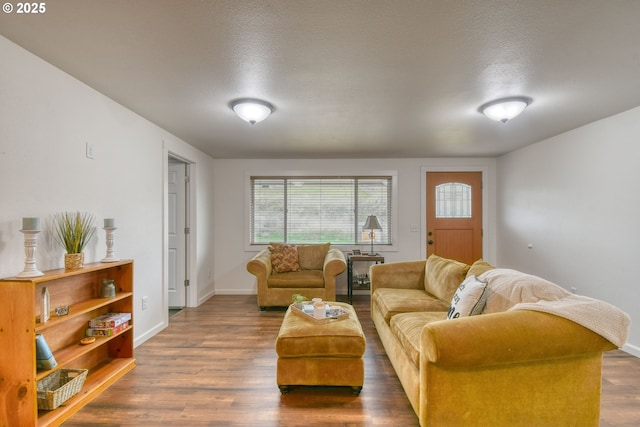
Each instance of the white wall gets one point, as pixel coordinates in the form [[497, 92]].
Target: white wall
[[46, 118], [574, 198], [231, 276]]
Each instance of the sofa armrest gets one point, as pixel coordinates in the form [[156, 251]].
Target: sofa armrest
[[260, 265], [399, 275], [508, 337], [334, 263]]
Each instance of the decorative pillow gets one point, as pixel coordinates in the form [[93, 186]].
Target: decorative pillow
[[469, 299], [479, 267], [443, 276], [311, 257], [284, 258]]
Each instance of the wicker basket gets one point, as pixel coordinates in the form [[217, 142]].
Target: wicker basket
[[60, 386], [73, 261]]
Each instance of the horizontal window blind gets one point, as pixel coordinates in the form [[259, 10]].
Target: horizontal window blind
[[319, 209]]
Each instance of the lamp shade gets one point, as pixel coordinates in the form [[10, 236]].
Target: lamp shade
[[252, 110], [505, 109], [372, 223]]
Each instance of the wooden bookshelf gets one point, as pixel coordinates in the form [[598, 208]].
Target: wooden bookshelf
[[107, 359]]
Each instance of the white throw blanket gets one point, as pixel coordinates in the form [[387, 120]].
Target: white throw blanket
[[514, 290]]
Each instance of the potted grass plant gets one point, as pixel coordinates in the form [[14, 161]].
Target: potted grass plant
[[74, 230]]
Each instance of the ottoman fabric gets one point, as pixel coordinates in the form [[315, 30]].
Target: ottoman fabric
[[300, 337], [321, 354]]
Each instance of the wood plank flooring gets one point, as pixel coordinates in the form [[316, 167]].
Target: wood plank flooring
[[215, 366]]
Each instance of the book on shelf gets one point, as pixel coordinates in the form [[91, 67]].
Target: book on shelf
[[109, 320], [106, 332]]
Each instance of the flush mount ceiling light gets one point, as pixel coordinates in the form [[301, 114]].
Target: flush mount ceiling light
[[251, 110], [505, 109]]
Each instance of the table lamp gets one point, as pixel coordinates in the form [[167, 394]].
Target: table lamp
[[370, 226]]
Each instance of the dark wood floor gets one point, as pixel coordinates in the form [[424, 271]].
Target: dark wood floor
[[215, 366]]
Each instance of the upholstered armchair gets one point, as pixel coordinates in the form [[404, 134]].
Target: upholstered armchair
[[284, 270]]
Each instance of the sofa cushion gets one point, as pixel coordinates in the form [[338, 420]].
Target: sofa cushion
[[407, 327], [297, 279], [391, 301], [479, 267], [443, 276], [284, 258], [311, 257], [469, 299]]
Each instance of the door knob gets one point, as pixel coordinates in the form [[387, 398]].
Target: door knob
[[430, 242]]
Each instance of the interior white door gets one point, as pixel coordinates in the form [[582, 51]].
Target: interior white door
[[177, 237]]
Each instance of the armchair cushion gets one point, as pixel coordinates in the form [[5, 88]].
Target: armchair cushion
[[294, 279], [311, 257], [284, 258]]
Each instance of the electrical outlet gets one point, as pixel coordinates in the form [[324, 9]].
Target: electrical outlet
[[144, 303]]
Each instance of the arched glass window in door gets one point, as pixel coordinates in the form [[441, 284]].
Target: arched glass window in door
[[453, 200]]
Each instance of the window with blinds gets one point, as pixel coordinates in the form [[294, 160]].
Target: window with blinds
[[319, 209]]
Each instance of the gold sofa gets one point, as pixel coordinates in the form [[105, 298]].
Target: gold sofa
[[314, 276], [514, 364]]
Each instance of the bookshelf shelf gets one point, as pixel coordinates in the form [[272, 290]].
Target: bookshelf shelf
[[80, 309], [107, 359]]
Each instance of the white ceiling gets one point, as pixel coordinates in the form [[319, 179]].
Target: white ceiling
[[349, 79]]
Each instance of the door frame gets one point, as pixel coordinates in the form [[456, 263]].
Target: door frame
[[185, 177], [488, 246], [192, 291]]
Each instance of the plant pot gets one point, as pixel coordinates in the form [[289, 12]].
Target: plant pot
[[73, 261]]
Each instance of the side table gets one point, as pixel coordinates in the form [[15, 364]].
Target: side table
[[360, 284]]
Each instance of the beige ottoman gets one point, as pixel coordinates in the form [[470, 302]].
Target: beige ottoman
[[328, 354]]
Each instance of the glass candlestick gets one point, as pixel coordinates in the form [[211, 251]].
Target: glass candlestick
[[111, 256], [30, 246]]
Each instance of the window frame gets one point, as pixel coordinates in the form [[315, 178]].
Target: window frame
[[393, 229], [462, 205]]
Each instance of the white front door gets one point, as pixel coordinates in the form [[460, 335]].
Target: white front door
[[177, 237]]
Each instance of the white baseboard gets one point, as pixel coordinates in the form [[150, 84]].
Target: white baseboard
[[206, 297], [631, 349], [149, 334], [235, 292]]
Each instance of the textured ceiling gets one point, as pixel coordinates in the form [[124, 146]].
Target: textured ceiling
[[349, 79]]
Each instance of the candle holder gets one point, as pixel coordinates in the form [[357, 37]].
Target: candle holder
[[30, 246], [111, 256]]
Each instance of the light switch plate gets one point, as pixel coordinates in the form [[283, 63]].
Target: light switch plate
[[90, 151]]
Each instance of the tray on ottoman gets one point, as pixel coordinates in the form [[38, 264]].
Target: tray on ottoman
[[332, 312]]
